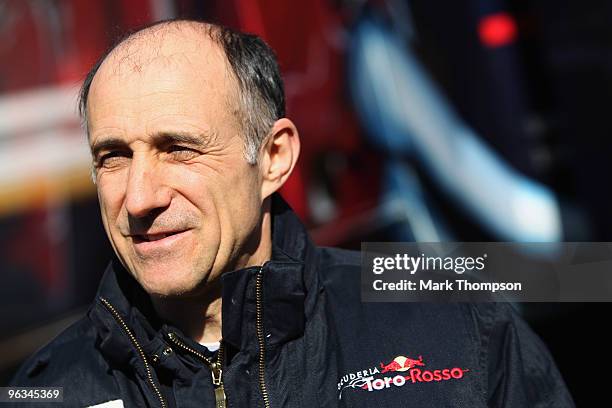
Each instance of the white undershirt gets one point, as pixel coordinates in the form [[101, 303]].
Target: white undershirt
[[212, 347]]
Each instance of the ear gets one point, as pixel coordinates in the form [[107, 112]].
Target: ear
[[278, 156]]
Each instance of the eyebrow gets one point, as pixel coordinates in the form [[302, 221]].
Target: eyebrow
[[107, 144], [195, 140], [165, 138]]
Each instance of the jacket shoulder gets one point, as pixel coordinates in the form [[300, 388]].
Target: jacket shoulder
[[337, 258], [71, 361], [70, 357], [516, 360]]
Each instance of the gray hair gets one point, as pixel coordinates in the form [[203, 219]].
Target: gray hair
[[261, 95]]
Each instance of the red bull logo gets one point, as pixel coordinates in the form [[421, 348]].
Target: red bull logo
[[401, 363], [407, 372]]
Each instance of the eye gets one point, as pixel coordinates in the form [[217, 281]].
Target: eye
[[112, 159], [182, 153]]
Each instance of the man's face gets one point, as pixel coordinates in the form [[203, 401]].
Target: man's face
[[179, 202]]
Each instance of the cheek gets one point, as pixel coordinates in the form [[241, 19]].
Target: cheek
[[109, 209], [241, 202], [227, 196], [111, 192], [195, 186]]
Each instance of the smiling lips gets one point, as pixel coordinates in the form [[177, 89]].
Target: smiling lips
[[147, 243], [155, 237]]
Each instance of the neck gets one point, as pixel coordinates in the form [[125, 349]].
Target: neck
[[199, 317]]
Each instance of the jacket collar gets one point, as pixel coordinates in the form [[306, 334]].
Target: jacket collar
[[286, 283]]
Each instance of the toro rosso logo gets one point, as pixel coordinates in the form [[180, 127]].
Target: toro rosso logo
[[407, 371]]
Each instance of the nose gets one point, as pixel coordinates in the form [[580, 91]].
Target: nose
[[146, 191]]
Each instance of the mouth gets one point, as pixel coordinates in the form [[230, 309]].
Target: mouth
[[161, 241], [153, 237]]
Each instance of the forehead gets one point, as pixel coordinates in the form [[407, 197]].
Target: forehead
[[179, 73]]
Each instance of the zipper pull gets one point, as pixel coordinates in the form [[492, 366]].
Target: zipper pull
[[217, 373]]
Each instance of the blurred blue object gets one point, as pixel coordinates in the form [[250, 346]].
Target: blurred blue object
[[408, 117], [406, 200]]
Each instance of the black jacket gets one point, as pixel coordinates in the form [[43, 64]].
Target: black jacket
[[297, 335]]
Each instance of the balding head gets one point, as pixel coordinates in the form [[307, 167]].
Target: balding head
[[255, 95], [170, 43]]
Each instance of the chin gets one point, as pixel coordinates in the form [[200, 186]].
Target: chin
[[164, 285], [168, 290], [163, 291]]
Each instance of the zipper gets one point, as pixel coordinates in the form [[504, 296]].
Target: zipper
[[143, 357], [260, 338], [216, 367]]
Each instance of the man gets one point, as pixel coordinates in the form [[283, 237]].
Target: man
[[218, 297]]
